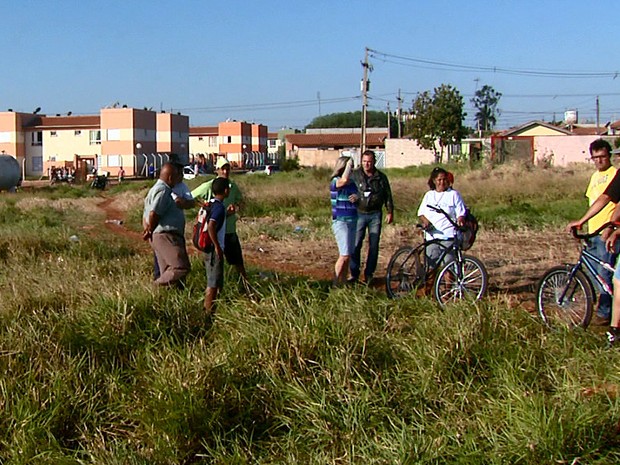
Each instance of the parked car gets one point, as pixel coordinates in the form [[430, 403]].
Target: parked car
[[189, 172]]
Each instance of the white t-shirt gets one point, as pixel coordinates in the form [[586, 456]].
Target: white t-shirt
[[451, 202]]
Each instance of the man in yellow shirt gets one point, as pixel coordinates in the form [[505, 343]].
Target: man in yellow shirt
[[600, 154]]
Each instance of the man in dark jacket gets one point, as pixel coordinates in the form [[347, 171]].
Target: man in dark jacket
[[375, 193]]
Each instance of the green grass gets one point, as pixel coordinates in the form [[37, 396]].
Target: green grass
[[100, 368]]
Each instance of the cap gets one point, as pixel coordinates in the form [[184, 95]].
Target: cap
[[175, 159], [615, 151], [221, 163]]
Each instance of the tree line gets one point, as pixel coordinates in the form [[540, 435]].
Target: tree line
[[435, 120]]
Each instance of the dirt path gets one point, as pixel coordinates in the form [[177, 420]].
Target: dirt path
[[515, 260]]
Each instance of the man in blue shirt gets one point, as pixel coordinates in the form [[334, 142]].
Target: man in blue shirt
[[214, 258]]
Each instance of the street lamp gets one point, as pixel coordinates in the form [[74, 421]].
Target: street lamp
[[138, 147]]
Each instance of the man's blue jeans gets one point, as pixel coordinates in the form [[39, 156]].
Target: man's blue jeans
[[372, 222], [597, 247]]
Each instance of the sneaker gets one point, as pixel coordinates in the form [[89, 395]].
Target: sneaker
[[352, 280], [613, 336]]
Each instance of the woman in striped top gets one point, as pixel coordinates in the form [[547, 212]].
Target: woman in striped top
[[344, 197]]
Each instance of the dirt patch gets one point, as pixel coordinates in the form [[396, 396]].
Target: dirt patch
[[515, 260]]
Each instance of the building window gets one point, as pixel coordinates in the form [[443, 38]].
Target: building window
[[115, 160], [272, 143], [227, 139], [37, 138], [114, 134], [5, 136], [53, 134], [212, 141], [94, 137], [77, 132], [200, 138]]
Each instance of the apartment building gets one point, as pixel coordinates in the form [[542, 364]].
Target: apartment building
[[237, 140], [118, 137]]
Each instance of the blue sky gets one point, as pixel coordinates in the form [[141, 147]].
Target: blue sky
[[283, 63]]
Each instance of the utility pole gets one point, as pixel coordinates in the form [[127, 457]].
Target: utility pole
[[598, 116], [399, 116], [365, 87], [318, 96], [389, 117]]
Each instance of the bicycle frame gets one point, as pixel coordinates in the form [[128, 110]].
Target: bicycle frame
[[589, 261], [446, 250], [454, 247], [586, 260], [453, 274]]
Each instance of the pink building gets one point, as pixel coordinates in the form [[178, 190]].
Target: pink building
[[118, 137], [237, 140]]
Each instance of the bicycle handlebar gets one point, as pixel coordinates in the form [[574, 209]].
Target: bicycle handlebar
[[441, 210], [577, 235]]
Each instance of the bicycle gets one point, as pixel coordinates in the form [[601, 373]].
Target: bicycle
[[462, 278], [566, 293]]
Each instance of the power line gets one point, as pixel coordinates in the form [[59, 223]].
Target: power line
[[267, 106], [419, 62]]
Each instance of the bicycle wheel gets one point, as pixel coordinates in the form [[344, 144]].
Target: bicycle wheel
[[467, 283], [405, 271], [563, 302]]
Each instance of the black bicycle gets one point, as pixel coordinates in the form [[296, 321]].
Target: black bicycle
[[566, 293], [454, 276]]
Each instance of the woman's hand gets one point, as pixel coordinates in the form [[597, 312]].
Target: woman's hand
[[353, 198]]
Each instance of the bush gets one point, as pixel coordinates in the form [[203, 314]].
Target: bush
[[290, 164]]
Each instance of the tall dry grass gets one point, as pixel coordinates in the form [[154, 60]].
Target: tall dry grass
[[99, 368]]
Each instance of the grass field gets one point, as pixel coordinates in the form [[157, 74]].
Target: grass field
[[100, 368]]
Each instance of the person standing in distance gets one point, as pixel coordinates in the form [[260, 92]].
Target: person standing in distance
[[164, 228], [375, 193], [343, 193], [214, 258], [204, 192]]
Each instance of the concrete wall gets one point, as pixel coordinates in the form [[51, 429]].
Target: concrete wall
[[400, 153], [318, 157], [564, 149]]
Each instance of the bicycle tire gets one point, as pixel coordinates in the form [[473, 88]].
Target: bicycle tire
[[471, 286], [576, 309], [405, 271]]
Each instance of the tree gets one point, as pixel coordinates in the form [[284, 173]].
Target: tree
[[438, 120], [422, 125], [448, 115], [485, 101]]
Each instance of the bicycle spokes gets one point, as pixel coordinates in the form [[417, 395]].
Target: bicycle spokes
[[564, 298]]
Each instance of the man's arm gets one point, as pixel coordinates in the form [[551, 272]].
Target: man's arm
[[212, 230], [596, 207], [203, 192], [184, 203], [150, 225], [389, 202]]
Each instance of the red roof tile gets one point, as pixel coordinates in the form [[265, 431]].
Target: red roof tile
[[336, 140], [65, 122], [203, 131], [588, 131]]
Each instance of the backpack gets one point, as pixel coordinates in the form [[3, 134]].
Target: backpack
[[200, 233], [470, 229]]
